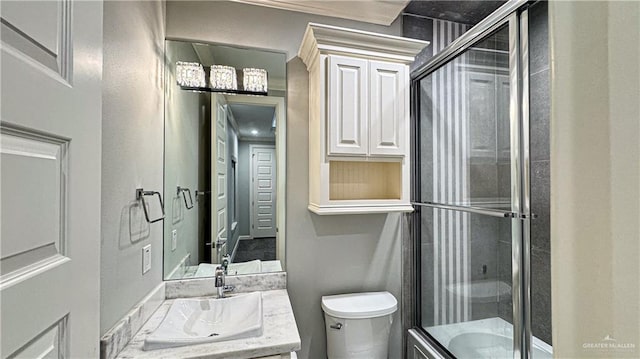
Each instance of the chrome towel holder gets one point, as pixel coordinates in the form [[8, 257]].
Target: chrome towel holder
[[184, 190], [140, 194]]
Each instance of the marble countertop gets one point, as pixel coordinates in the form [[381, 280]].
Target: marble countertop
[[280, 335]]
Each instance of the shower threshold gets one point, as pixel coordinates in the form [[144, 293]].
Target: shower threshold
[[484, 338]]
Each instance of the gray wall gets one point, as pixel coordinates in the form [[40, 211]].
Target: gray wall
[[595, 177], [325, 255], [243, 188], [131, 152], [184, 137]]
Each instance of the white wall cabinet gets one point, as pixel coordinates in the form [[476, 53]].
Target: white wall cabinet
[[358, 119]]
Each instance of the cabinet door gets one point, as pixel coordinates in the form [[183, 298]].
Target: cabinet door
[[388, 108], [348, 115]]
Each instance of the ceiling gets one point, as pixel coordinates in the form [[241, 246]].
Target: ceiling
[[466, 12], [384, 12], [381, 12], [254, 118]]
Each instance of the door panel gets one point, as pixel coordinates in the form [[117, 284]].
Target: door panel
[[34, 166], [50, 150], [389, 105], [47, 345], [483, 122], [47, 41], [219, 185], [348, 115], [263, 191]]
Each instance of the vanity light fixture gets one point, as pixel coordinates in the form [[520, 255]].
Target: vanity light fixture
[[223, 78], [254, 79], [190, 74]]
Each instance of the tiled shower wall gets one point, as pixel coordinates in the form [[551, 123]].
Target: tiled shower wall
[[539, 114]]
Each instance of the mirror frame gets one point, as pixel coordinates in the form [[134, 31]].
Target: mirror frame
[[281, 146]]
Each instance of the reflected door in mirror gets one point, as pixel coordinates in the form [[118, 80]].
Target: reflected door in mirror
[[263, 191], [219, 155]]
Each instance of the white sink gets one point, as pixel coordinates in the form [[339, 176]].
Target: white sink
[[197, 321]]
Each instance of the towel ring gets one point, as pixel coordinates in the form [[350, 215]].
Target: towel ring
[[184, 190], [140, 194]]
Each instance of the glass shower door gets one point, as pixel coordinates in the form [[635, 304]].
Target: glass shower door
[[467, 200]]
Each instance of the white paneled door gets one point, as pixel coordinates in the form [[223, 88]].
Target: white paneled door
[[263, 191], [50, 178], [219, 178]]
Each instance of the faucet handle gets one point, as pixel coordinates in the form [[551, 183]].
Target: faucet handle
[[226, 259], [219, 277]]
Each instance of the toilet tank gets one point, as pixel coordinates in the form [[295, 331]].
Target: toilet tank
[[358, 324]]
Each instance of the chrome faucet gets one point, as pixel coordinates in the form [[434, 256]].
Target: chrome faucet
[[219, 282]]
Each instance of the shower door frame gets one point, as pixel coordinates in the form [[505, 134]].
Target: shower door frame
[[515, 15]]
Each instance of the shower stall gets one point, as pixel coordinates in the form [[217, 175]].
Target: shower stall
[[475, 130]]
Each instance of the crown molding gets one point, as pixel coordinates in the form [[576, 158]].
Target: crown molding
[[326, 39]]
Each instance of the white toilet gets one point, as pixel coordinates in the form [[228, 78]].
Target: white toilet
[[358, 324]]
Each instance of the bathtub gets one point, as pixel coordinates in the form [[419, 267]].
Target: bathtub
[[485, 338]]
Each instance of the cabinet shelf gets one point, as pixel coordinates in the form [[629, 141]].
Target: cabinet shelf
[[365, 180], [361, 208]]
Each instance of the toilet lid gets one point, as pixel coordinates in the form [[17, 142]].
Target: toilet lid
[[359, 305]]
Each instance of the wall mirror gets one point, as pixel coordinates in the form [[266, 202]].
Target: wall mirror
[[224, 160]]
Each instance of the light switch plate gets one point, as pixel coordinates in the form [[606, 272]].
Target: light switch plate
[[146, 258], [174, 239]]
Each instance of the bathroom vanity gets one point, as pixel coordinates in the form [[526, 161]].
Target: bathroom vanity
[[277, 338]]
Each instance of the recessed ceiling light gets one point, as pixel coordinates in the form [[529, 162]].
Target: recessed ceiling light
[[254, 132]]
